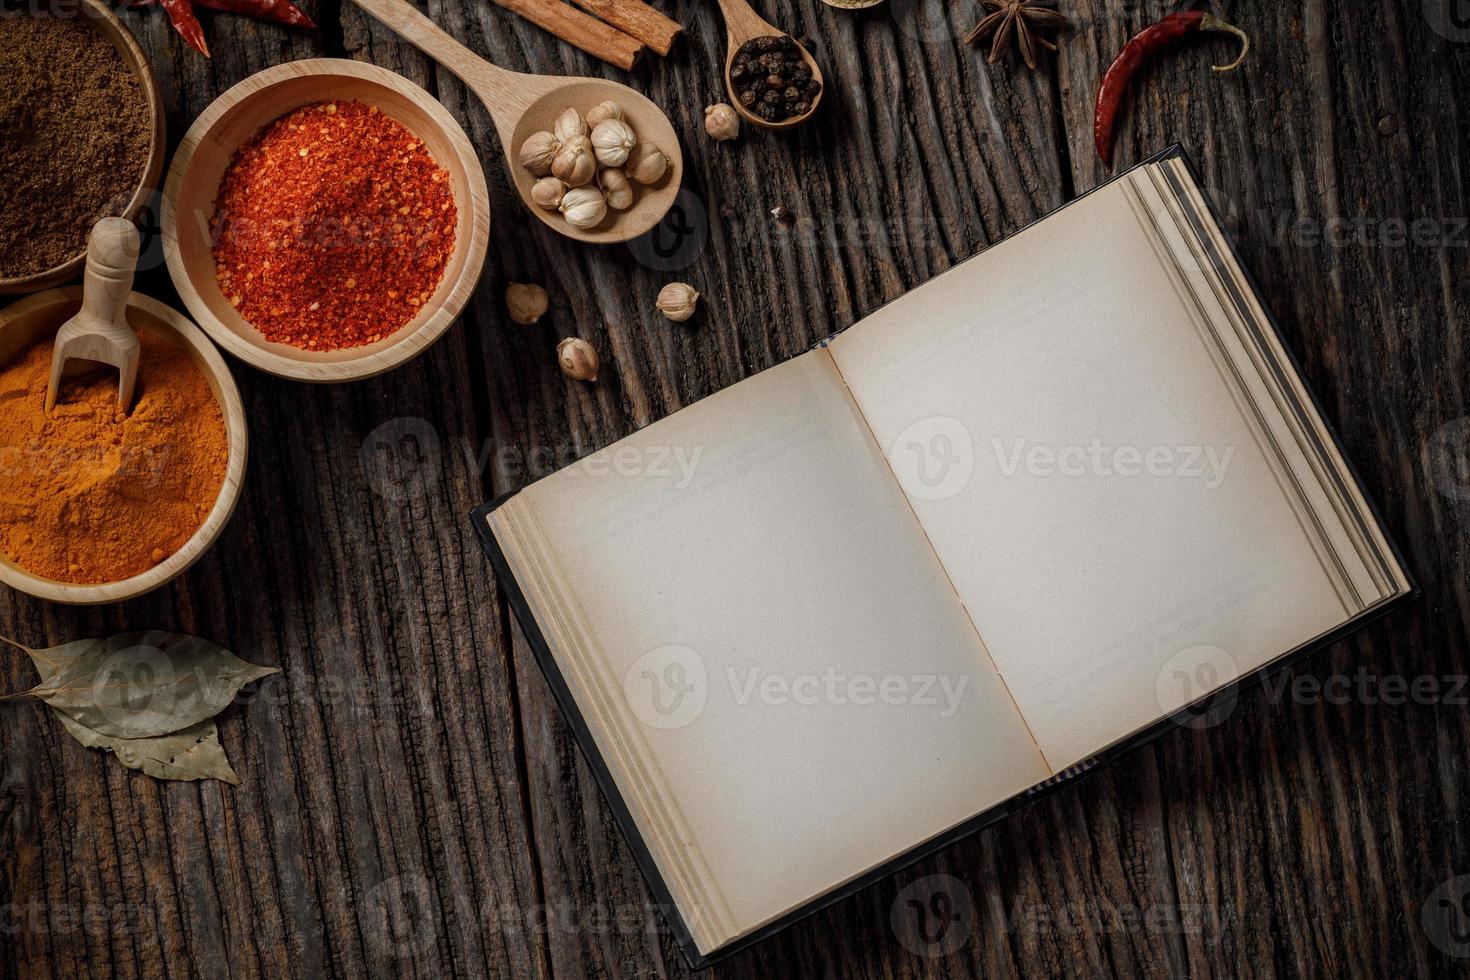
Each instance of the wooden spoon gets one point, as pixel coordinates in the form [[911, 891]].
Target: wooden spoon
[[100, 331], [744, 24], [522, 104]]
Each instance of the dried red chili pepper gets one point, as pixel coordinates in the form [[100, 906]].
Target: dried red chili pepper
[[181, 15], [277, 11], [280, 11], [1135, 52]]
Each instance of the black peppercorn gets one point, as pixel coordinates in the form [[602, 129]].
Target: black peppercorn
[[770, 76]]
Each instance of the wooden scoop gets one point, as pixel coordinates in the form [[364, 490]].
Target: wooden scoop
[[744, 24], [100, 331], [522, 104]]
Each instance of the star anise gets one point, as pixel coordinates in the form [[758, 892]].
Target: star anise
[[1023, 18]]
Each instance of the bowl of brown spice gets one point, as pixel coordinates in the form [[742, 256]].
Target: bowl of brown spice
[[100, 505], [84, 127], [325, 220]]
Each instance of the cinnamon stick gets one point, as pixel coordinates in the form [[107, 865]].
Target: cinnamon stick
[[648, 24], [580, 30]]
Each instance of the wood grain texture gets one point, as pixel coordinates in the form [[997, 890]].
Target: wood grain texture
[[413, 803]]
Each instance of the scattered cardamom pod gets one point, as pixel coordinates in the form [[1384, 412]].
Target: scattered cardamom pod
[[677, 301], [526, 302], [721, 121], [577, 359]]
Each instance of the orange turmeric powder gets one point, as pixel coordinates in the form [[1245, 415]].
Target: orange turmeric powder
[[90, 495]]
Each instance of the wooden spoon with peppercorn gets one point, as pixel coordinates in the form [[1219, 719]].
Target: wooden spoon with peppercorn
[[773, 80], [521, 104]]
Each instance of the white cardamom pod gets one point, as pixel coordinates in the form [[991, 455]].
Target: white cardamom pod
[[677, 301], [570, 123], [538, 151], [616, 188], [611, 141], [583, 207], [525, 302], [575, 164], [604, 110], [646, 164], [548, 191], [721, 121], [577, 358]]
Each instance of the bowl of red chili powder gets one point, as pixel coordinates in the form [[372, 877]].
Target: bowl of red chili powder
[[325, 220]]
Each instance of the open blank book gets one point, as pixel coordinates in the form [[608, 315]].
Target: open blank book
[[835, 615]]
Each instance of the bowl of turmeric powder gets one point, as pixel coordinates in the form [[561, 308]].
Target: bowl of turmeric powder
[[96, 504]]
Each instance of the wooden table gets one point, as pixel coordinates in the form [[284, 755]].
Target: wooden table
[[413, 804]]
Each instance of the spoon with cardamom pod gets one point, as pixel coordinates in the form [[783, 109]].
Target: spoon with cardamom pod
[[773, 81], [100, 332], [521, 104]]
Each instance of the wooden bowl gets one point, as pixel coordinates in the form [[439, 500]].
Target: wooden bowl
[[105, 21], [39, 317], [236, 116]]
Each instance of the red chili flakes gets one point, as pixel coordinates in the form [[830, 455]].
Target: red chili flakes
[[332, 227]]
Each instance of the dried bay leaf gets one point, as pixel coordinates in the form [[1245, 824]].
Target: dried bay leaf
[[193, 753], [142, 685]]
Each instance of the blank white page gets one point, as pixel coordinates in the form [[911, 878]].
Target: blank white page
[[776, 568], [1086, 477]]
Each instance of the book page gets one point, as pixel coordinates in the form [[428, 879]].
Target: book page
[[786, 652], [1092, 488]]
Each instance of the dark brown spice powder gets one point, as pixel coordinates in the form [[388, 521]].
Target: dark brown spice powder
[[74, 137]]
